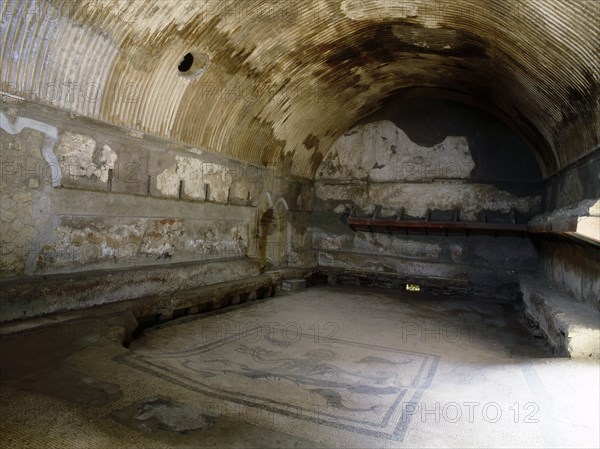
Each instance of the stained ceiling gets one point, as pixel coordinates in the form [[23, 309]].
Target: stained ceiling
[[275, 83]]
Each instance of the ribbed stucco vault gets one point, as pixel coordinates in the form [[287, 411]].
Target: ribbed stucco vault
[[275, 83]]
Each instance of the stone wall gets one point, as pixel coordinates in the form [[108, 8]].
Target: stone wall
[[429, 158], [569, 253], [79, 196], [574, 184], [573, 267]]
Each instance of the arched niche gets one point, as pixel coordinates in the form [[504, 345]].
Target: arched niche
[[271, 233]]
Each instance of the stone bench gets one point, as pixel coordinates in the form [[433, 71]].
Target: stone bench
[[571, 328]]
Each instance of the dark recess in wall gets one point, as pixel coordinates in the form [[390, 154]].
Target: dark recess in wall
[[501, 158]]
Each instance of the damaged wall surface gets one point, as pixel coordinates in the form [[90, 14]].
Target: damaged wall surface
[[459, 166], [115, 200]]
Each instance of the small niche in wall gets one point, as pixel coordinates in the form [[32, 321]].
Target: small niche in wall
[[110, 179], [180, 193]]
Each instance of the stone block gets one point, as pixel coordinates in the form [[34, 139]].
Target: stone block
[[291, 285]]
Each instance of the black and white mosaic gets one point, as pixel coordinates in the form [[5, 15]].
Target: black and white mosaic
[[353, 386]]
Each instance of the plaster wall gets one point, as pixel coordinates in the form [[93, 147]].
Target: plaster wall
[[80, 195]]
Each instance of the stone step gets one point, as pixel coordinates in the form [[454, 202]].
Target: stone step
[[571, 328], [292, 285]]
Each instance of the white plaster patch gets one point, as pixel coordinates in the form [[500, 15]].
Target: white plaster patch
[[107, 162], [416, 198], [195, 174], [469, 198], [51, 137], [168, 181], [379, 9], [342, 208], [107, 251], [190, 171], [147, 21], [441, 39], [389, 10], [76, 153], [383, 152]]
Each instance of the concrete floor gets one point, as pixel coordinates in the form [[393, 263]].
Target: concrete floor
[[325, 367]]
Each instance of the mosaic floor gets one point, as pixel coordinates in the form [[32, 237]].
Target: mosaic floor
[[325, 367]]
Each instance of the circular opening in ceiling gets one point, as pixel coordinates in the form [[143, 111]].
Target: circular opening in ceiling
[[186, 63], [193, 64]]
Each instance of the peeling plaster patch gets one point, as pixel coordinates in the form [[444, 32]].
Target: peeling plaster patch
[[439, 39], [162, 238], [76, 244], [168, 181], [372, 242], [179, 15], [195, 174], [51, 137], [559, 218], [216, 242], [469, 198], [389, 245], [79, 157], [416, 198], [383, 152], [82, 242], [377, 10], [220, 179], [343, 208], [107, 161], [191, 172], [331, 242]]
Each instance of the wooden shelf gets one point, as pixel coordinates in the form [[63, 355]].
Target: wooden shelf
[[400, 225]]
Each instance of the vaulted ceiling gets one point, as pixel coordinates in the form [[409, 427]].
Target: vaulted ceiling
[[276, 82]]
